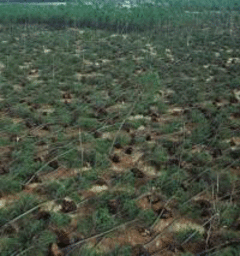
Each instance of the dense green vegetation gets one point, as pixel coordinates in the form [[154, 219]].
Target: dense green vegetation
[[120, 129]]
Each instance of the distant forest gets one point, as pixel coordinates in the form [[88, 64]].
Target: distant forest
[[31, 1]]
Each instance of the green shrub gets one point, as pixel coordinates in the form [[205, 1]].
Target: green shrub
[[9, 185], [172, 127], [60, 219], [18, 207], [229, 214], [103, 219], [130, 209], [197, 116], [103, 146], [147, 216], [87, 123], [157, 156], [127, 178], [9, 245], [24, 165], [201, 134], [123, 139], [182, 235]]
